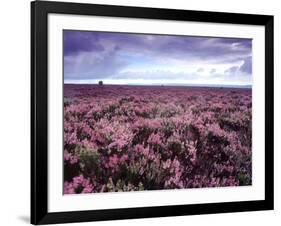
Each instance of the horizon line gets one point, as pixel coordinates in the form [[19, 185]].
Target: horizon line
[[169, 85]]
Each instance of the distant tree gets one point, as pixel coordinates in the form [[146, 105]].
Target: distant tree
[[100, 83]]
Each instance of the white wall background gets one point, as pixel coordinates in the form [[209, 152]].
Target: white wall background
[[15, 113]]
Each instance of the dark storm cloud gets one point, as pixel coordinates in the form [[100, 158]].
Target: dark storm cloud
[[91, 55], [75, 42], [174, 46], [212, 49], [247, 65], [93, 65], [245, 69]]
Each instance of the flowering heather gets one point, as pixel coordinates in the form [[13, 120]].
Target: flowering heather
[[131, 138]]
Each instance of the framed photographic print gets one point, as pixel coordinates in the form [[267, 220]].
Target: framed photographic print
[[144, 112]]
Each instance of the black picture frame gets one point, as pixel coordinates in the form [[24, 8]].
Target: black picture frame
[[39, 112]]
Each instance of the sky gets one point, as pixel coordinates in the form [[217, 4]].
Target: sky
[[150, 59]]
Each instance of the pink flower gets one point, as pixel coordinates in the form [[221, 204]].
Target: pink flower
[[155, 139], [78, 183], [68, 188], [139, 148], [123, 158], [68, 157], [88, 189]]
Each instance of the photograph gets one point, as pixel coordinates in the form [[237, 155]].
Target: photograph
[[141, 112], [155, 111]]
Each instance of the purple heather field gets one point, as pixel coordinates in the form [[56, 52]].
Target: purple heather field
[[133, 138]]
